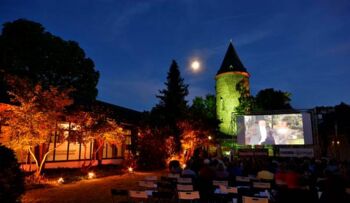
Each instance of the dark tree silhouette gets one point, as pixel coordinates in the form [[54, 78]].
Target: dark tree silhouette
[[334, 126], [27, 50], [270, 99], [11, 176], [172, 105]]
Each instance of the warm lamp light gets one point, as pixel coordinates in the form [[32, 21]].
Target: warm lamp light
[[209, 137], [60, 180], [130, 169], [91, 175], [183, 166]]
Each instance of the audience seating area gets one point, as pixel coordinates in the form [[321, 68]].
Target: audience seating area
[[269, 182]]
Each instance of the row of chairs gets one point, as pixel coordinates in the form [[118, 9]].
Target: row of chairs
[[125, 196], [173, 187]]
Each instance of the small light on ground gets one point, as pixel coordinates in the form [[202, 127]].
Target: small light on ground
[[91, 175], [60, 180], [130, 169]]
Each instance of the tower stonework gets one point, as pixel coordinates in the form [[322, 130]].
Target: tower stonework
[[229, 75]]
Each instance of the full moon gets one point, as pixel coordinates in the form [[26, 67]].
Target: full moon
[[195, 66]]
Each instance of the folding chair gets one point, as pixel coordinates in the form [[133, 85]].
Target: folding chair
[[184, 180], [189, 196], [254, 200], [261, 185], [138, 195], [217, 183], [242, 179], [228, 193], [180, 187], [120, 194], [173, 175], [225, 189]]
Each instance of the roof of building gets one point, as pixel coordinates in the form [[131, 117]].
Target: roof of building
[[231, 62], [121, 114]]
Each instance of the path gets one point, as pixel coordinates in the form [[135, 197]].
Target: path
[[96, 190]]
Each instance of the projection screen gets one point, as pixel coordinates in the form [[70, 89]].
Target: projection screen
[[276, 129]]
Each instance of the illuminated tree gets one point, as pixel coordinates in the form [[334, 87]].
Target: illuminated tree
[[106, 131], [247, 104], [33, 120], [82, 134], [153, 149], [95, 126]]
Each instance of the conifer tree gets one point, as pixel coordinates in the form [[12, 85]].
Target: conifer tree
[[172, 106]]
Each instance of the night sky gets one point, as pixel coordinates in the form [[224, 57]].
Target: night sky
[[302, 47]]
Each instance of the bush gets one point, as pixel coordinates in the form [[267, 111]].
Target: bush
[[152, 152], [11, 176]]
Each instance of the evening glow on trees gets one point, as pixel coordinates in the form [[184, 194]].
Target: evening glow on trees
[[32, 122]]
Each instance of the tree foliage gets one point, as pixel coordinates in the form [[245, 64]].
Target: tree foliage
[[11, 176], [247, 103], [270, 99], [154, 149], [27, 50], [204, 107], [265, 100], [334, 126], [172, 106], [172, 99], [32, 121], [95, 126]]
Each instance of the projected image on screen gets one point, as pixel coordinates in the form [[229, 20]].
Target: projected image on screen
[[282, 129]]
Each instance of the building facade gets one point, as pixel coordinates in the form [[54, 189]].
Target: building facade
[[74, 154]]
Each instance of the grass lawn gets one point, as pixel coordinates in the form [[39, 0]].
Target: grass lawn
[[94, 190]]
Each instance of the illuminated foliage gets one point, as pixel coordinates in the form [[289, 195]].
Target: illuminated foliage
[[95, 126], [153, 149], [227, 99], [34, 118], [247, 102]]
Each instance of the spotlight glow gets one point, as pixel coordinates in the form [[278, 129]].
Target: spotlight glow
[[91, 175], [60, 180]]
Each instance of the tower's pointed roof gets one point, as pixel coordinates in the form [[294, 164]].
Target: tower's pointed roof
[[231, 62]]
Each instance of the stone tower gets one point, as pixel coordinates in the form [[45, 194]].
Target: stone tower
[[229, 75]]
